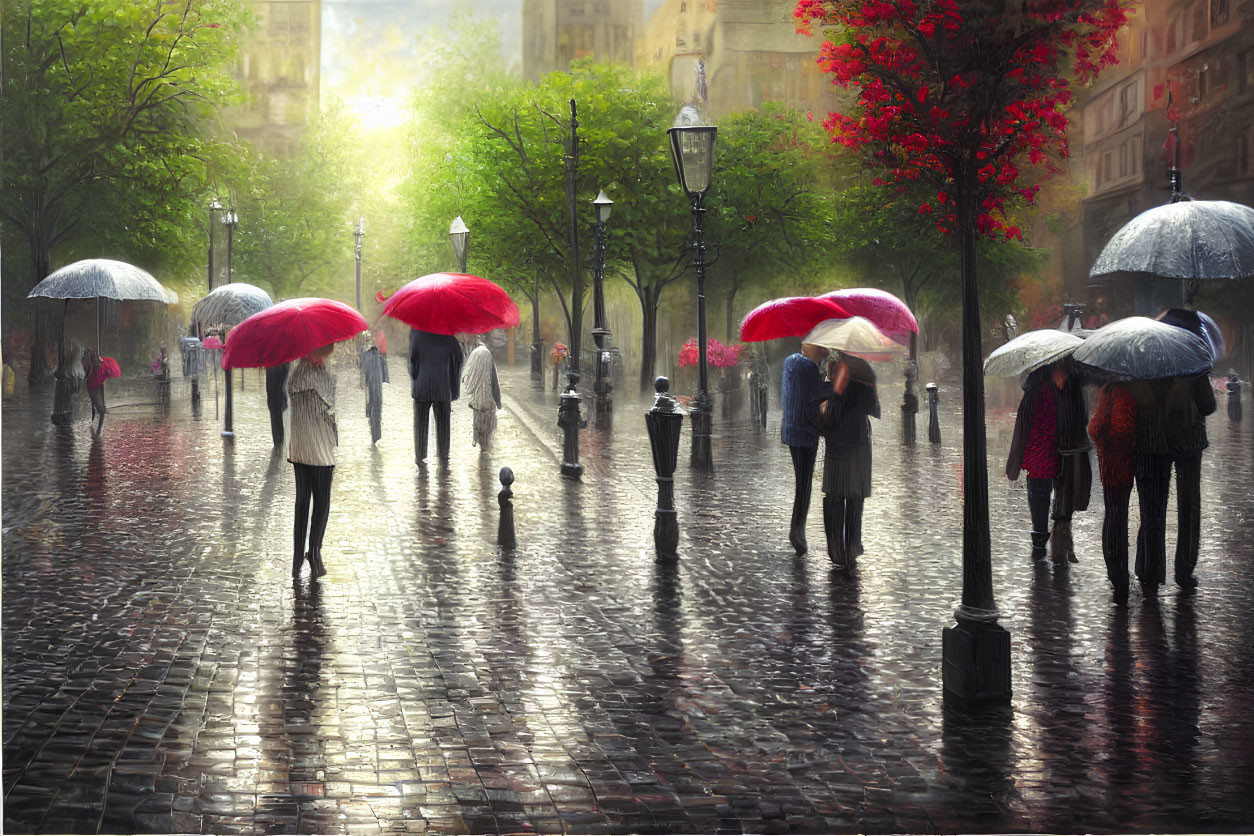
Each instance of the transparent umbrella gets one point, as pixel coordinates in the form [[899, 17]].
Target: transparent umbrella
[[230, 305], [101, 278], [1140, 348], [855, 335], [1030, 351]]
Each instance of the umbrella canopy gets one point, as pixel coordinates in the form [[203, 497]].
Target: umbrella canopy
[[889, 313], [791, 316], [213, 343], [109, 368], [1200, 324], [289, 330], [452, 303], [230, 305], [1030, 351], [1192, 239], [855, 335], [1140, 348], [102, 278]]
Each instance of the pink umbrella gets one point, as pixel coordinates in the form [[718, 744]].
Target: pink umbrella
[[885, 310], [792, 316], [212, 342]]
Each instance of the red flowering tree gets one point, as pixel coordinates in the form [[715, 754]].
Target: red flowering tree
[[962, 96]]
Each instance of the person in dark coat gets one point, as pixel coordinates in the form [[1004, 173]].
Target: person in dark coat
[[435, 368], [1034, 449], [276, 399], [1189, 400], [1075, 479], [1113, 430], [800, 386], [374, 373], [843, 417], [1152, 472]]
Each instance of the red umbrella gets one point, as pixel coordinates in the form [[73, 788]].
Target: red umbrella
[[885, 310], [109, 368], [290, 330], [212, 342], [792, 316], [452, 303]]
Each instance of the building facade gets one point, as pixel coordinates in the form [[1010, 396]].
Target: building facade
[[280, 71], [557, 32], [751, 50]]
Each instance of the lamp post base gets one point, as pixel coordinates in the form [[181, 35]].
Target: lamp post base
[[976, 667], [702, 419], [569, 419], [537, 361]]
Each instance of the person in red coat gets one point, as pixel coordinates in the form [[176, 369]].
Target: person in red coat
[[1034, 449], [1113, 430]]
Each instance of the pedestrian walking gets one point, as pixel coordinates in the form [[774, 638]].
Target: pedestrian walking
[[1113, 430], [843, 417], [1233, 387], [1034, 450], [97, 370], [435, 369], [374, 373], [311, 450], [1152, 475], [1075, 477], [800, 387], [483, 390], [276, 399], [1189, 400]]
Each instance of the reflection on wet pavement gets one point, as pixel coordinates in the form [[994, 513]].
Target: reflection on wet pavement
[[162, 671]]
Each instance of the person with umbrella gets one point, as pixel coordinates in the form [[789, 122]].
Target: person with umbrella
[[435, 370], [801, 385], [98, 369], [843, 417], [1113, 430], [1034, 447], [1075, 481], [311, 451]]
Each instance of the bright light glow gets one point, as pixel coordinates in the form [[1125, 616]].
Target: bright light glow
[[377, 112]]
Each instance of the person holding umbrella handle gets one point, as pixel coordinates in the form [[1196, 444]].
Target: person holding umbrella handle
[[800, 384], [311, 450]]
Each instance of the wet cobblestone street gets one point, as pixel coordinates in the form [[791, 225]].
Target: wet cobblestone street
[[162, 672]]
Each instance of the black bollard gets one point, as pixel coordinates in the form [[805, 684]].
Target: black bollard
[[569, 419], [1234, 396], [933, 421], [537, 362], [505, 531], [909, 407], [663, 423]]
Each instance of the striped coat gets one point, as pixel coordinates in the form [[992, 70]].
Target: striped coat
[[314, 436]]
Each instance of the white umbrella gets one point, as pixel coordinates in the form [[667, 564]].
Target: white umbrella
[[230, 305], [101, 278], [855, 335], [1030, 351]]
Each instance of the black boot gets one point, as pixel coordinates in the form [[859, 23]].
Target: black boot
[[297, 561], [797, 538], [316, 569]]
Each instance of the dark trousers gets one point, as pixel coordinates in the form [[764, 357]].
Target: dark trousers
[[1115, 533], [1153, 476], [96, 396], [1189, 509], [842, 523], [1039, 493], [422, 417], [276, 425], [312, 482], [803, 459]]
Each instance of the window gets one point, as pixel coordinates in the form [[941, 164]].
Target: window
[[1218, 13]]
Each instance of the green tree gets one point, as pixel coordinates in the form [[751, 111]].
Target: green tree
[[106, 118]]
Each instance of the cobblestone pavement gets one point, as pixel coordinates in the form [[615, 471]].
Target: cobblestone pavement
[[162, 672]]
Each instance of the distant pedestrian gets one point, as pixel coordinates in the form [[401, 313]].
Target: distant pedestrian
[[843, 416], [374, 373], [800, 386], [276, 399], [483, 390], [435, 369], [1233, 388], [311, 450], [1113, 430], [1034, 449]]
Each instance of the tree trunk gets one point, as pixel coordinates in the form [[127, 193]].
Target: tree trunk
[[41, 265], [977, 564], [732, 333], [648, 343]]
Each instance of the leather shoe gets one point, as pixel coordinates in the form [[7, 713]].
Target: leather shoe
[[1186, 581], [798, 540]]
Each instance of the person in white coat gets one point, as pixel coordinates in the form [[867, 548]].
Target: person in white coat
[[483, 389], [311, 450]]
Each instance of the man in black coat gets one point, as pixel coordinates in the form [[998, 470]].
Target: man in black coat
[[435, 367], [276, 399]]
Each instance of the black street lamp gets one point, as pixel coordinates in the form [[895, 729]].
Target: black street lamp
[[601, 333], [358, 234], [229, 220], [692, 149], [458, 232], [214, 206]]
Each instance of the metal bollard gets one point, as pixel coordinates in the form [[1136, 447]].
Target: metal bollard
[[1234, 396], [933, 421], [569, 419], [537, 362], [505, 530], [663, 423]]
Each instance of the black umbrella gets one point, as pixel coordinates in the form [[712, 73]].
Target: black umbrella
[[1140, 348], [1200, 324]]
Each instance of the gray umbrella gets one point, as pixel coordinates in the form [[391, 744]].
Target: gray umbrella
[[1030, 351], [1192, 240], [101, 278], [1140, 348], [230, 305]]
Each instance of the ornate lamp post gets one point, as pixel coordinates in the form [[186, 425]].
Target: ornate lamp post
[[358, 234], [458, 232], [214, 206], [600, 333], [692, 149], [229, 220]]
